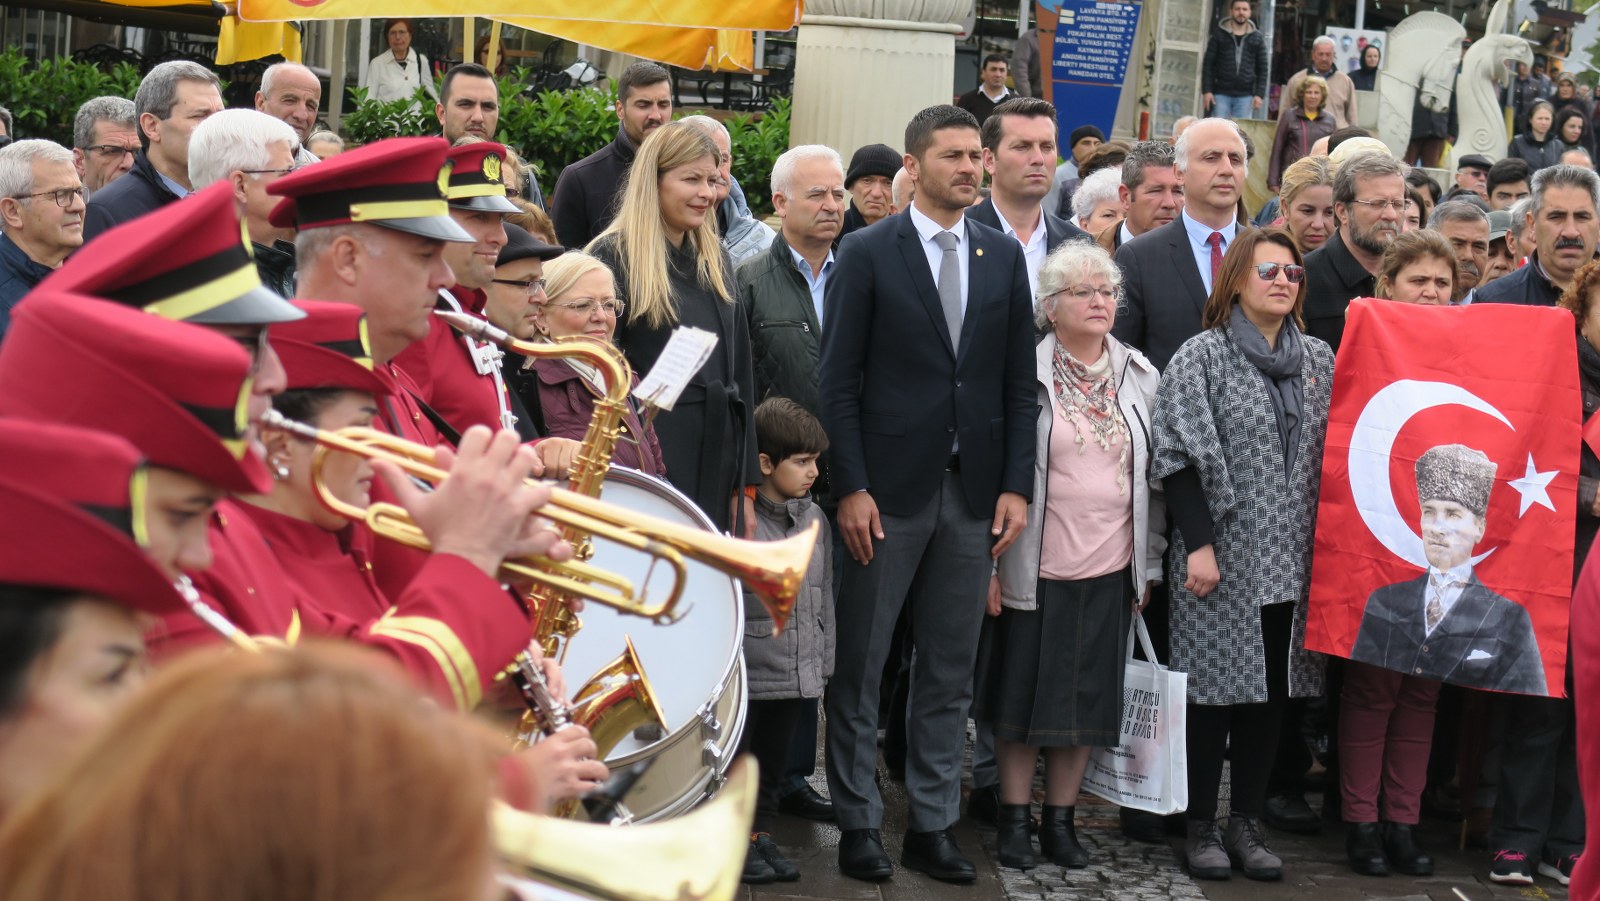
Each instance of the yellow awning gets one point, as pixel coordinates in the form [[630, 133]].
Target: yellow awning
[[716, 49], [766, 15], [239, 42]]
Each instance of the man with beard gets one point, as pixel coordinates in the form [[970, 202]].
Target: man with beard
[[932, 425], [1467, 229], [1562, 218], [1369, 205], [584, 191]]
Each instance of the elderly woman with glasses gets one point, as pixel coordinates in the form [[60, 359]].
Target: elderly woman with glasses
[[581, 300], [1240, 420], [1051, 662]]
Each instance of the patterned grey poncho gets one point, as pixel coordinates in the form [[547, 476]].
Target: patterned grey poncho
[[1213, 413]]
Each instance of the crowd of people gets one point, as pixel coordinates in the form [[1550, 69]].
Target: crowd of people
[[1019, 429]]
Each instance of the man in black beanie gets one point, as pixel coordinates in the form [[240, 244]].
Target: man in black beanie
[[870, 181]]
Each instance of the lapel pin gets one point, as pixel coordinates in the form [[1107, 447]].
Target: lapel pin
[[980, 251]]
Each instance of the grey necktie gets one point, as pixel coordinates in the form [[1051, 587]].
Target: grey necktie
[[950, 285]]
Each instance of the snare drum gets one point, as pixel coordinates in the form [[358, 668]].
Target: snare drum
[[695, 665]]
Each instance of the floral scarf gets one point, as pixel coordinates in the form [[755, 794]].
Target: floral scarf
[[1088, 392]]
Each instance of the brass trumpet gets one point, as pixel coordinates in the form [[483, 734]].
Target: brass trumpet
[[698, 857], [773, 570]]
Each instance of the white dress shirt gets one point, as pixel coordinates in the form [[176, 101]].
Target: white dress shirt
[[1198, 234], [1033, 252], [926, 229]]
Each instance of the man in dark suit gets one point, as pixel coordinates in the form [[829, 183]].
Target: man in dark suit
[[1446, 624], [927, 394], [1019, 153], [1167, 272]]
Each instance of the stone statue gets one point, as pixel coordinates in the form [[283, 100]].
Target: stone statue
[[1422, 55], [1483, 72]]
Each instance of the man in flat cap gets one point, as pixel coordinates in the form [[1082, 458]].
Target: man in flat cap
[[1446, 624]]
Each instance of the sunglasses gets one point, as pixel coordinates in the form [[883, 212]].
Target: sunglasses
[[1269, 271]]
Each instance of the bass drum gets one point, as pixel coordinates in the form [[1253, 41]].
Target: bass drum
[[695, 665]]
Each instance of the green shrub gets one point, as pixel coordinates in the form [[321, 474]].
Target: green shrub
[[44, 96], [757, 142], [374, 120], [554, 129], [557, 128]]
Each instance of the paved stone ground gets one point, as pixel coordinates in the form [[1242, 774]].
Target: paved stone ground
[[1123, 870]]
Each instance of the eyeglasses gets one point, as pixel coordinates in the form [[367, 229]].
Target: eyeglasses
[[1269, 272], [116, 150], [278, 172], [63, 196], [532, 286], [1397, 206], [587, 307], [1084, 294]]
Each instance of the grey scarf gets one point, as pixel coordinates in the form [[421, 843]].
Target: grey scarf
[[1280, 372]]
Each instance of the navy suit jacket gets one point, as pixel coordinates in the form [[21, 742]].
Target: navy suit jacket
[[1056, 229], [1484, 641], [895, 393], [1164, 293]]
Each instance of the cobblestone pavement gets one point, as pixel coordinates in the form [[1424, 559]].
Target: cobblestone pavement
[[1124, 870]]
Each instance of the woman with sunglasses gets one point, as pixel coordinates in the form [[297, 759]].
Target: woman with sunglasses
[[582, 302], [1240, 419]]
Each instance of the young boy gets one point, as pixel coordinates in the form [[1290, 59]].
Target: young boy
[[786, 669]]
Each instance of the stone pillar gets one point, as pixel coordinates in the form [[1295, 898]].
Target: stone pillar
[[863, 68]]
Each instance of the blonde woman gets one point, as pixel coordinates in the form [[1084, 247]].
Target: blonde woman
[[582, 300], [1306, 201], [671, 271], [1299, 127]]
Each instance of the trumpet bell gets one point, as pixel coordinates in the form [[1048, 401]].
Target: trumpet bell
[[697, 857]]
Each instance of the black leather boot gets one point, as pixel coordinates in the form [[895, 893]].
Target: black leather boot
[[1405, 856], [1058, 838], [1014, 847], [1364, 847]]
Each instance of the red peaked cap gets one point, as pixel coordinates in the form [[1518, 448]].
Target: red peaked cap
[[180, 393], [329, 349], [189, 260], [476, 178], [398, 183], [46, 543], [96, 472]]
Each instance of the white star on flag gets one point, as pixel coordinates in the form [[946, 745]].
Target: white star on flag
[[1534, 488]]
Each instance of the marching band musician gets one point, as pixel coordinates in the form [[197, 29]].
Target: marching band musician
[[186, 411], [76, 593], [331, 387], [459, 376], [373, 224]]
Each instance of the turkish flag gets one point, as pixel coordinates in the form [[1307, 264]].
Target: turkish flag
[[1491, 378]]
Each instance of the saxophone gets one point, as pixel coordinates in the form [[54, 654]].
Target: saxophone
[[619, 698]]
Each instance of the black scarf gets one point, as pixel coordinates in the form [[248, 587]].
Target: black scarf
[[1280, 372]]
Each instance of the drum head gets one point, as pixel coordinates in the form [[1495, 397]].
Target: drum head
[[686, 661]]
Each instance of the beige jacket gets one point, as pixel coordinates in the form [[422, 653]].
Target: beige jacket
[[1341, 97]]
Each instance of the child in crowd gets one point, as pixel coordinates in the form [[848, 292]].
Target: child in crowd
[[786, 669]]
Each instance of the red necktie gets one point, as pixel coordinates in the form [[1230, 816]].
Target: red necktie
[[1216, 256]]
